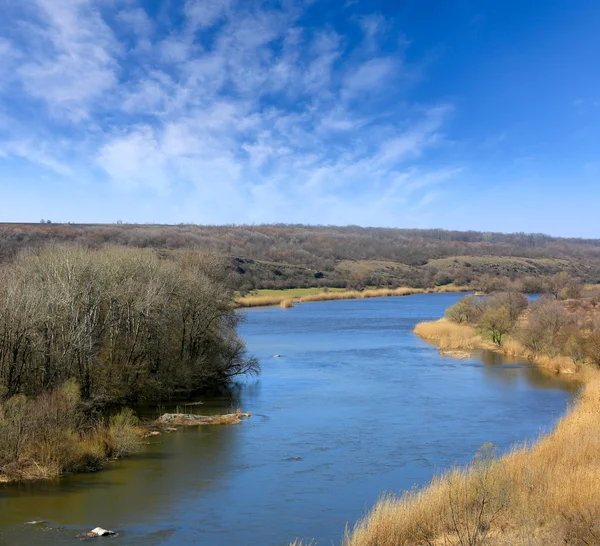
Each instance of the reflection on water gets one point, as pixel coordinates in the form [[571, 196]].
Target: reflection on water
[[508, 369], [355, 405]]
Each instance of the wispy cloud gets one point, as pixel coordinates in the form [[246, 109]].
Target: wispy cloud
[[234, 112]]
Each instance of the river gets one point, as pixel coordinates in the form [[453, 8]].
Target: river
[[354, 405]]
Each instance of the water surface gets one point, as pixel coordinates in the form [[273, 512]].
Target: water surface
[[355, 405]]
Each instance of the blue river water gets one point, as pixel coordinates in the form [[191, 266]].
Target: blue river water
[[355, 405]]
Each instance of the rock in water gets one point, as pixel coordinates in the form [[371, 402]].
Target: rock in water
[[99, 532]]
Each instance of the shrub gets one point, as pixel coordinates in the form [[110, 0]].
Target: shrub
[[496, 321], [45, 436], [124, 432], [546, 319], [468, 310], [514, 302]]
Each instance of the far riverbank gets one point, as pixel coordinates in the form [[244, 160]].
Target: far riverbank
[[287, 298]]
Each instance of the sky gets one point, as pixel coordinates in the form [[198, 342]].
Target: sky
[[470, 114]]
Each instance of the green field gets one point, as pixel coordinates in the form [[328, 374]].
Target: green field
[[292, 292]]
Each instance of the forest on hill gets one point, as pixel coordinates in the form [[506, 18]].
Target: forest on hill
[[291, 256]]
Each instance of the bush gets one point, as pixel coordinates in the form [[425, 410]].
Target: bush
[[514, 302], [49, 435], [496, 321], [546, 319], [468, 310], [124, 433]]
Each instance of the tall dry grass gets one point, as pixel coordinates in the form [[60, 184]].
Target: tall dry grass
[[449, 288], [260, 301], [50, 435], [449, 335]]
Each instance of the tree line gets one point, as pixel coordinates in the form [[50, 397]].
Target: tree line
[[123, 323]]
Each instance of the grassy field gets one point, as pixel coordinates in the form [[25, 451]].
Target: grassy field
[[292, 292]]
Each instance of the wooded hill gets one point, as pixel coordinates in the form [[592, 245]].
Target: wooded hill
[[289, 256]]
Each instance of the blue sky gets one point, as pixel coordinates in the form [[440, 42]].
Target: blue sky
[[470, 114]]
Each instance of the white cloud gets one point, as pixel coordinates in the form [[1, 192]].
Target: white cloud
[[205, 13], [136, 20], [238, 114], [73, 63], [369, 76]]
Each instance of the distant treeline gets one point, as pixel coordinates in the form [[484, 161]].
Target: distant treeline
[[289, 256]]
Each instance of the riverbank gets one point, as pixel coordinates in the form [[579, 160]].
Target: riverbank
[[547, 493], [70, 451], [450, 336], [288, 298], [50, 435]]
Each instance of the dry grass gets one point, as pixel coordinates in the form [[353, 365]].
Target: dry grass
[[451, 336], [260, 301], [380, 293], [284, 300], [449, 288], [47, 436]]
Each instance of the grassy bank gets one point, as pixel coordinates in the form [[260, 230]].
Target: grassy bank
[[287, 298], [50, 435], [547, 493], [451, 336]]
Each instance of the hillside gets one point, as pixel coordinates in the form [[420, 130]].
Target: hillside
[[289, 256]]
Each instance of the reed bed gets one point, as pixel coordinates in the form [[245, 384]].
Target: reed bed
[[260, 301], [285, 301], [449, 335]]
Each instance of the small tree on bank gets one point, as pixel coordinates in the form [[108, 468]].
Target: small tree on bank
[[496, 321]]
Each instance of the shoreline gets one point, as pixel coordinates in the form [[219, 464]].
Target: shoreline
[[285, 300], [450, 337], [537, 493], [166, 423]]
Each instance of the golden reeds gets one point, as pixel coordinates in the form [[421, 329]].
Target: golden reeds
[[262, 301], [449, 335]]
